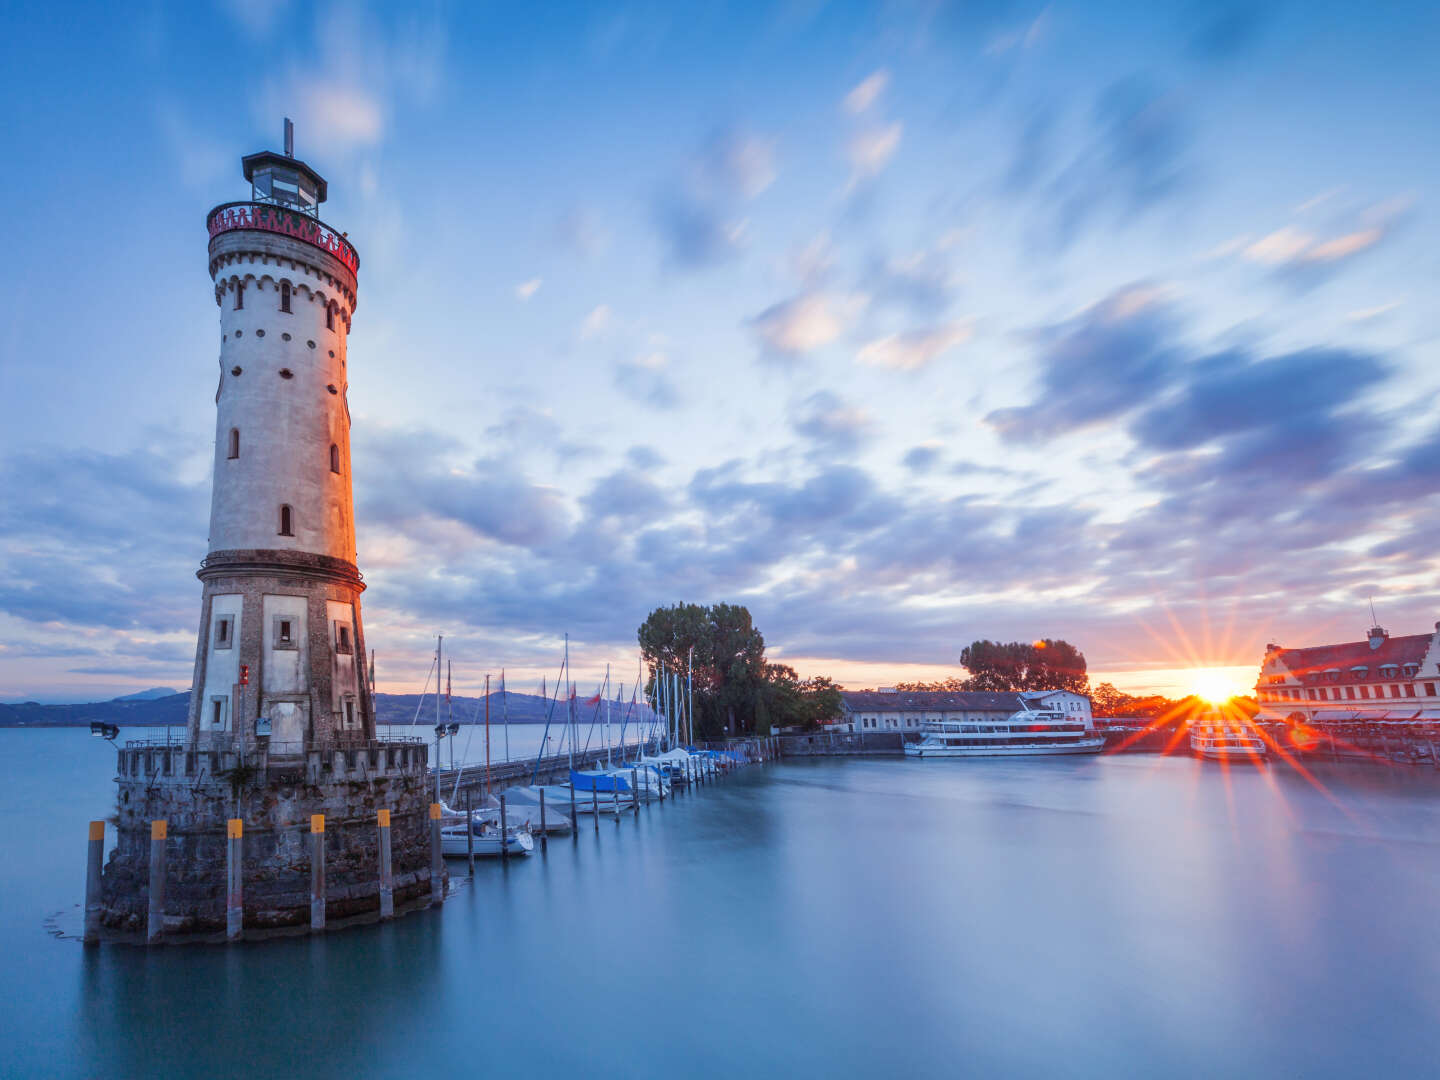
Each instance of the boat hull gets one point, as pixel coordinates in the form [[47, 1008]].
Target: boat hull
[[1086, 746]]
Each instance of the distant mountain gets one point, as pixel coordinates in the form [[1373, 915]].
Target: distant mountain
[[127, 712], [148, 695], [136, 710]]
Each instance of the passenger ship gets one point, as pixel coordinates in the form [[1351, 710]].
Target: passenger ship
[[1226, 742], [1029, 731]]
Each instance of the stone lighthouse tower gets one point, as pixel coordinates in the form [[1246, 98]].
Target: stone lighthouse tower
[[281, 649], [281, 804]]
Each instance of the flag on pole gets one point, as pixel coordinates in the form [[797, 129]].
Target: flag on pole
[[594, 700]]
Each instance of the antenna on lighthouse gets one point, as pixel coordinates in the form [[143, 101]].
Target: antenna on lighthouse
[[289, 138]]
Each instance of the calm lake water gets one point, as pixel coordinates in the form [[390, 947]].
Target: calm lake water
[[1079, 917]]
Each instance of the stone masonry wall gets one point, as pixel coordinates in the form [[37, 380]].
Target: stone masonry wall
[[276, 849]]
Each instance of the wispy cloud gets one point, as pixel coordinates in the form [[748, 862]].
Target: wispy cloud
[[866, 92], [914, 349], [526, 289], [804, 323]]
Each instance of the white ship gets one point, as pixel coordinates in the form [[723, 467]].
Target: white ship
[[1027, 732], [1226, 742]]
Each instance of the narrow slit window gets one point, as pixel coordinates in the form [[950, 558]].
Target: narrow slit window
[[222, 632], [217, 713], [234, 450], [349, 712], [239, 295], [285, 296], [284, 635], [342, 638], [334, 458], [330, 317], [286, 524]]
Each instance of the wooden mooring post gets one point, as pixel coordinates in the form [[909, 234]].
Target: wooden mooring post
[[437, 858], [155, 917], [387, 876], [635, 791], [469, 833], [574, 820], [234, 879], [595, 805], [544, 832], [317, 871], [504, 833], [94, 864]]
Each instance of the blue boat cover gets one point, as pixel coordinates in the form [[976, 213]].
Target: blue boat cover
[[583, 781]]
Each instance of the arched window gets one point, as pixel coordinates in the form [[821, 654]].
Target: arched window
[[329, 316], [239, 295], [234, 443], [285, 296], [334, 458], [285, 522]]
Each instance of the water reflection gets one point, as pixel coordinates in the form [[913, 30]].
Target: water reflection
[[1117, 916]]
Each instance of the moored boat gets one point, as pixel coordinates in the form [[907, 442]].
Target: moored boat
[[1226, 742], [1024, 733]]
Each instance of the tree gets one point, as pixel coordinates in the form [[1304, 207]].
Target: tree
[[721, 649], [1047, 664], [736, 690]]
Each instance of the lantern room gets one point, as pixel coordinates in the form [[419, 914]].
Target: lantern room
[[281, 180]]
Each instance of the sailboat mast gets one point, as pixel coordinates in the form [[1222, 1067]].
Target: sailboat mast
[[690, 691], [487, 734], [607, 716], [505, 713], [569, 703]]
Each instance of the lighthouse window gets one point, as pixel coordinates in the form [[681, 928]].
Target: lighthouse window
[[329, 318], [334, 458], [239, 297], [349, 712], [217, 712], [285, 296], [284, 633], [342, 638], [234, 443], [222, 631], [285, 523]]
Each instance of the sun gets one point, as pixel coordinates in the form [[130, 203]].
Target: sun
[[1213, 685]]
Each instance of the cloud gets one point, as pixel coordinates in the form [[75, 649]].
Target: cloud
[[526, 289], [922, 459], [644, 380], [597, 322], [699, 215], [866, 92], [1304, 258], [914, 349], [828, 420], [1096, 366], [804, 323], [922, 281], [870, 150], [1024, 37], [580, 230], [1136, 156], [1367, 314]]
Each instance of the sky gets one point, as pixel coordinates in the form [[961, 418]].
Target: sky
[[903, 324]]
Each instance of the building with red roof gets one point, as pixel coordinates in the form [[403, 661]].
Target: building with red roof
[[1379, 678]]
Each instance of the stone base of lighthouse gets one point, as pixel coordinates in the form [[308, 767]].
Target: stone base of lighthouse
[[197, 791]]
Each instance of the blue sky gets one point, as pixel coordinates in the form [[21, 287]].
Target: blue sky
[[902, 324]]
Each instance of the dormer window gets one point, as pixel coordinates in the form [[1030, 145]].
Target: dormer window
[[1411, 670], [1333, 674], [1388, 671], [1359, 671]]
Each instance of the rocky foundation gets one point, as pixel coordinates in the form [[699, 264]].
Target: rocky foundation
[[196, 793]]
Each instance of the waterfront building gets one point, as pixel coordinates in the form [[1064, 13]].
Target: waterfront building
[[903, 711], [281, 729], [1376, 679]]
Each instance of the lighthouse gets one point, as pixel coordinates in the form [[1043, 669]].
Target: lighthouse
[[281, 648], [281, 807]]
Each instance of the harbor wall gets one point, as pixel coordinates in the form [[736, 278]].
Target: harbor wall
[[197, 792], [841, 743]]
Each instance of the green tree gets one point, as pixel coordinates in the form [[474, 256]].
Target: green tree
[[722, 651], [1048, 664]]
